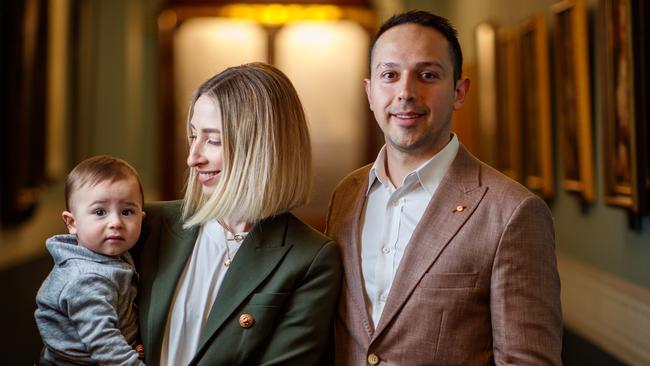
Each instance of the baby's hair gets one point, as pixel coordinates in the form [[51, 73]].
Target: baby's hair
[[98, 169]]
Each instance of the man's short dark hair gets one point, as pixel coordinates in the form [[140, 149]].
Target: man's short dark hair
[[427, 19]]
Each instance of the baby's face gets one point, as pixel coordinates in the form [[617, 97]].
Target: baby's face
[[106, 217]]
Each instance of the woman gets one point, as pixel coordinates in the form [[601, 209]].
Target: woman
[[228, 275]]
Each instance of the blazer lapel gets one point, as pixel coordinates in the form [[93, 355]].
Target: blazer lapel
[[440, 222], [175, 247], [258, 256], [351, 254]]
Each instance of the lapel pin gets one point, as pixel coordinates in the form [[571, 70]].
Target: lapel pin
[[459, 208], [246, 320]]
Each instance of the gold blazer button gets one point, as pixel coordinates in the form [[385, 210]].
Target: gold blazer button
[[460, 208], [373, 359], [246, 320], [139, 349]]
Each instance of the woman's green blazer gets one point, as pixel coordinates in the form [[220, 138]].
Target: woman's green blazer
[[285, 276]]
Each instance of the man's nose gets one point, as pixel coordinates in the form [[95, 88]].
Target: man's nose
[[407, 90]]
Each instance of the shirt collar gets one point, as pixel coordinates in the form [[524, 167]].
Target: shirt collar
[[430, 173]]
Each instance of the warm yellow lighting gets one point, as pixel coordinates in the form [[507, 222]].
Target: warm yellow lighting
[[274, 14], [167, 20], [278, 14]]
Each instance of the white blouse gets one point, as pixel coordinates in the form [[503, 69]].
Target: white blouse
[[195, 293]]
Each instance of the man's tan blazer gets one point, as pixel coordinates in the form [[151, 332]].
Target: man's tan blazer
[[478, 283]]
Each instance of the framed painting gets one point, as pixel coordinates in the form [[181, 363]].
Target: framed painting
[[537, 142], [508, 154], [572, 97], [22, 141], [485, 34], [624, 101], [641, 34]]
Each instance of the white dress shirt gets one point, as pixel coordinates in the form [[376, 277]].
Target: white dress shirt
[[390, 217], [195, 293]]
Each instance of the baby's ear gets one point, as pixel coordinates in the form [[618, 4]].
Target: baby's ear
[[68, 219]]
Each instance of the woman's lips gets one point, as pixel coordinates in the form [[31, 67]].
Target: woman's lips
[[207, 177]]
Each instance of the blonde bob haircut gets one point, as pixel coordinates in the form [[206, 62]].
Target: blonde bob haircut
[[266, 148]]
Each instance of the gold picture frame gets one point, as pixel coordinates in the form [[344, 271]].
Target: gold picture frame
[[508, 154], [621, 151], [537, 143], [572, 97]]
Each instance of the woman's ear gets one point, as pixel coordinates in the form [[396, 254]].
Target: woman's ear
[[68, 219]]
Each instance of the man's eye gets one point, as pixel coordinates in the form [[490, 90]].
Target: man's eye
[[429, 76], [128, 212], [99, 212], [389, 75]]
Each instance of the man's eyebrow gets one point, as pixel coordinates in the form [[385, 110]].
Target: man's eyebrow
[[386, 65], [429, 63], [420, 64]]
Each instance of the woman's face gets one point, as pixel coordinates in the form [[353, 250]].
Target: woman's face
[[206, 151]]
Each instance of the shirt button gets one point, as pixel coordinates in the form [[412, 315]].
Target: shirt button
[[373, 359], [385, 250], [383, 297]]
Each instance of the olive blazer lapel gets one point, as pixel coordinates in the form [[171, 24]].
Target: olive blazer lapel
[[168, 248], [260, 253], [450, 207]]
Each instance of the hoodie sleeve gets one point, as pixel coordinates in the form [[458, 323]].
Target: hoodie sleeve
[[90, 302]]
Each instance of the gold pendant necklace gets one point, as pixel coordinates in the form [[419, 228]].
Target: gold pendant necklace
[[237, 237]]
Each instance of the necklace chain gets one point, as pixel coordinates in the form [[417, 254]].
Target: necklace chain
[[237, 237]]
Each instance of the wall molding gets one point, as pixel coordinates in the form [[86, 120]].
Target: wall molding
[[606, 310]]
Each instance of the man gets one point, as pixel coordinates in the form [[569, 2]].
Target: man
[[446, 260]]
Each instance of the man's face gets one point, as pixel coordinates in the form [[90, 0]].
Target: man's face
[[106, 217], [412, 91]]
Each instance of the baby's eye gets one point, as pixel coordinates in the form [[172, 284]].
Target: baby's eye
[[99, 212], [128, 212]]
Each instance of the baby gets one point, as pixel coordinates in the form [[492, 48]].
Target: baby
[[86, 312]]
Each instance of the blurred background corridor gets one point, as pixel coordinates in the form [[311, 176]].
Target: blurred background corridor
[[558, 102]]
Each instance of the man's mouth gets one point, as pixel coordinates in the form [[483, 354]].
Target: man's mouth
[[407, 117]]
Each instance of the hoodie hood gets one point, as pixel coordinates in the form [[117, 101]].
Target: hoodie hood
[[65, 247]]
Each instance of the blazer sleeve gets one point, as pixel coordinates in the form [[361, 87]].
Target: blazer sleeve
[[301, 337], [525, 290]]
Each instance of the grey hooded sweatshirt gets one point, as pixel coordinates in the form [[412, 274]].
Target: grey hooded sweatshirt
[[86, 312]]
